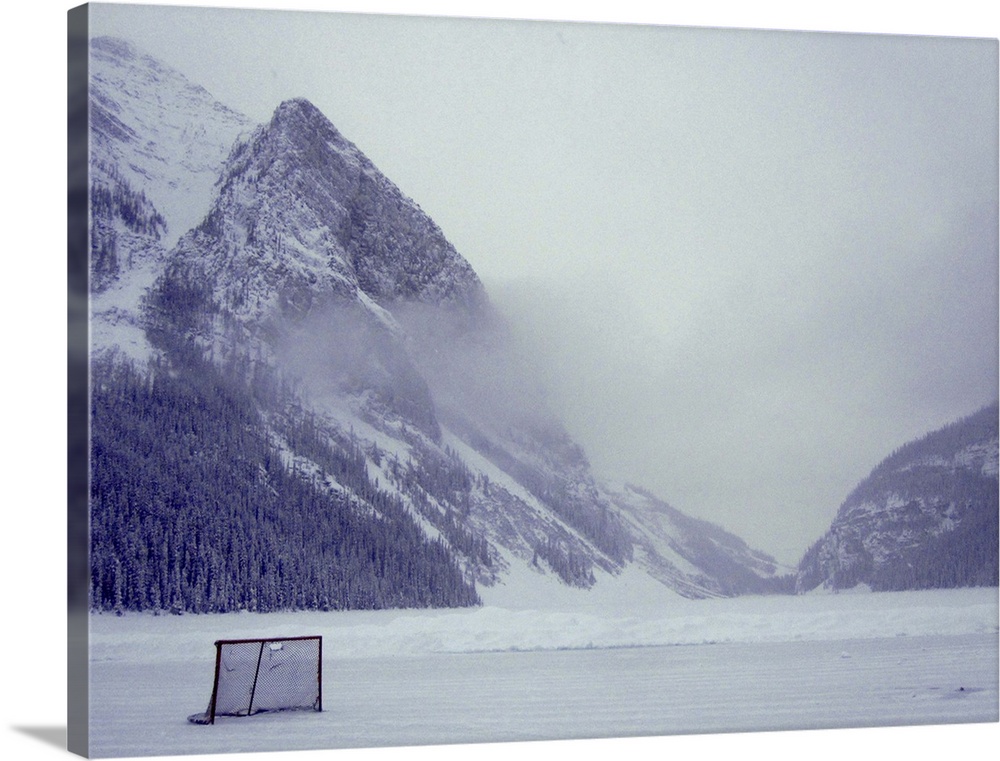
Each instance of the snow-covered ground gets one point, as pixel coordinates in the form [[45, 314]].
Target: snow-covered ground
[[521, 673]]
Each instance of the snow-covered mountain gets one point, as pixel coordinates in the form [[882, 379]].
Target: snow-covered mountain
[[302, 396], [925, 517], [157, 145], [158, 133], [693, 555]]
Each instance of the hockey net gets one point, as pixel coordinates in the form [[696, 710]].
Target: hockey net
[[257, 675]]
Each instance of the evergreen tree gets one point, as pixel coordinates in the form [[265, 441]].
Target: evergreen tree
[[194, 509]]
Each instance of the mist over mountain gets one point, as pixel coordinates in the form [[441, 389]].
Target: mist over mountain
[[303, 397], [926, 517]]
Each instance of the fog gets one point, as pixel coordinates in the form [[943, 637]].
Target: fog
[[482, 372], [745, 266]]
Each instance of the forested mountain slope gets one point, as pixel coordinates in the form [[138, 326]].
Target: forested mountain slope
[[926, 517]]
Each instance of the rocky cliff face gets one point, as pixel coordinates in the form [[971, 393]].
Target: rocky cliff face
[[303, 256], [303, 218], [925, 517]]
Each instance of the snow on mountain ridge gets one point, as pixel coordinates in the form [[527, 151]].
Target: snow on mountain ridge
[[179, 135], [157, 145]]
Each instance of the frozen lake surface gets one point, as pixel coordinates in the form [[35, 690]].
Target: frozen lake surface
[[492, 674]]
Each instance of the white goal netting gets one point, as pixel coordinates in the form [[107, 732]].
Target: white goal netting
[[257, 675]]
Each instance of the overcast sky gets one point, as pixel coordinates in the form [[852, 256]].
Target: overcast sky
[[750, 264]]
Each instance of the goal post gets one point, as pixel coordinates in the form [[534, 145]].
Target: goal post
[[265, 674]]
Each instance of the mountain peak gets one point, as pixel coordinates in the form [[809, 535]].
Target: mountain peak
[[299, 112], [314, 216], [301, 106], [307, 130]]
